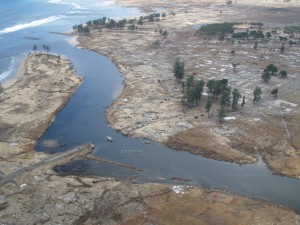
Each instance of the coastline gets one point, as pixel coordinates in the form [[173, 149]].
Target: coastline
[[149, 105], [45, 197], [42, 86]]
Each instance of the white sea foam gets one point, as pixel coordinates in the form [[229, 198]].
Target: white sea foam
[[34, 23], [10, 69], [75, 5]]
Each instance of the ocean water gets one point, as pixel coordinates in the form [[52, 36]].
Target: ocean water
[[25, 23]]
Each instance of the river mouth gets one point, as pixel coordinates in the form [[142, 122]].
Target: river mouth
[[84, 120]]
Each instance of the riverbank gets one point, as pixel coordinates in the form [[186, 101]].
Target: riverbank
[[33, 193], [29, 104], [150, 106]]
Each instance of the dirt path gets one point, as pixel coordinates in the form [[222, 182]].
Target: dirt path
[[73, 154]]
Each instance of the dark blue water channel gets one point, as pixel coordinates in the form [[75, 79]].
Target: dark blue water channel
[[83, 120]]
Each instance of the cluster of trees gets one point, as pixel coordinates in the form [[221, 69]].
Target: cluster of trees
[[216, 29], [45, 47], [253, 34], [132, 24], [217, 91], [193, 90], [292, 29], [272, 70]]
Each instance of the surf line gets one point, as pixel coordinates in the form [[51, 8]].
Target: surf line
[[34, 23]]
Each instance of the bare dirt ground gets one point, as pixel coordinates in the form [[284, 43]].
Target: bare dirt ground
[[32, 193], [29, 104], [150, 107]]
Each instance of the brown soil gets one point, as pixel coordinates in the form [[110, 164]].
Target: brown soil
[[29, 104], [44, 197], [149, 105]]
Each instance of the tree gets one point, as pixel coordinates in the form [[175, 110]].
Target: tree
[[34, 48], [214, 87], [282, 48], [199, 87], [46, 48], [140, 22], [190, 82], [269, 34], [178, 70], [257, 94], [266, 76], [235, 98], [164, 15], [222, 113], [243, 103], [151, 17], [272, 69], [274, 92], [255, 45], [234, 65], [208, 105], [283, 74], [225, 97]]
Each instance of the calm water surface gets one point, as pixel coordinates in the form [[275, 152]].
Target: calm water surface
[[83, 119]]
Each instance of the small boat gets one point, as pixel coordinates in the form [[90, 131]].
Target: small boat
[[32, 38], [109, 138]]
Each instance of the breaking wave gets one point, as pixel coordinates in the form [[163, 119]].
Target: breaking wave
[[34, 23], [10, 69]]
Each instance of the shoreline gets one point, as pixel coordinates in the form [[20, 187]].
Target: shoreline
[[132, 114], [34, 198], [30, 103]]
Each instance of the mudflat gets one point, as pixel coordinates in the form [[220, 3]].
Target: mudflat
[[37, 194], [150, 104]]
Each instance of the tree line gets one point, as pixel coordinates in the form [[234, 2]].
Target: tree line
[[104, 22]]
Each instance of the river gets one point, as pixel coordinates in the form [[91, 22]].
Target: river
[[83, 118]]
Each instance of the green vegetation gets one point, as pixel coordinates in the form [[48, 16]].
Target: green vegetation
[[253, 34], [46, 48], [274, 92], [271, 69], [178, 70], [292, 29], [193, 90], [283, 74], [208, 105], [235, 99], [257, 94], [266, 76], [268, 71], [216, 29], [243, 103], [131, 24], [222, 113]]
